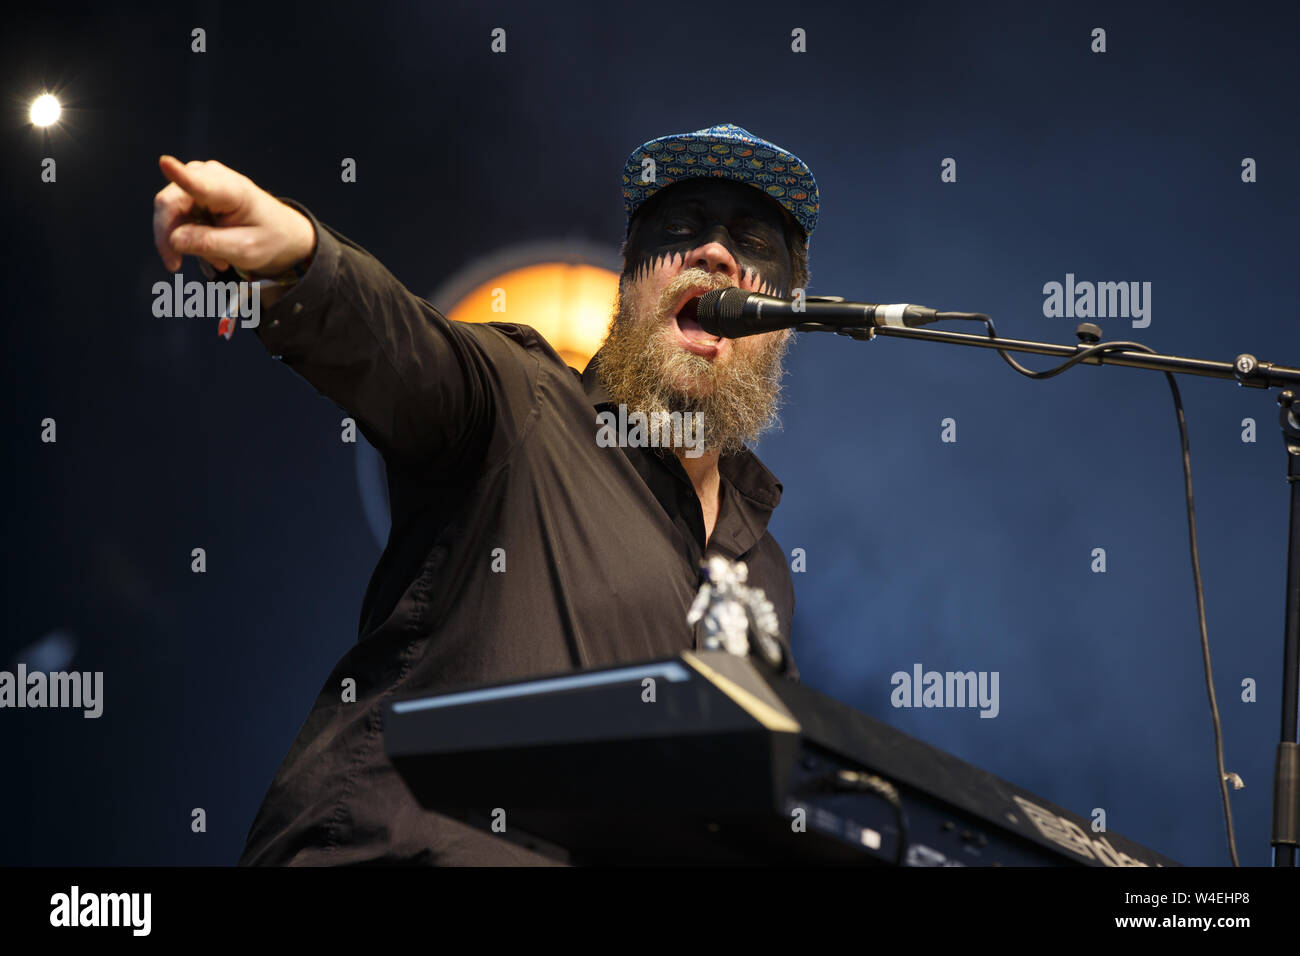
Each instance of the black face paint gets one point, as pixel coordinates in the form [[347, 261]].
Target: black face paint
[[689, 215]]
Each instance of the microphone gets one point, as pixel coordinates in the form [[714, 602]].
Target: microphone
[[732, 313]]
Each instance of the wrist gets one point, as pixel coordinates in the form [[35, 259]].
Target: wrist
[[304, 250], [287, 276], [306, 236], [300, 249]]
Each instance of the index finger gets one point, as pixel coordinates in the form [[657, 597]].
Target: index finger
[[199, 180]]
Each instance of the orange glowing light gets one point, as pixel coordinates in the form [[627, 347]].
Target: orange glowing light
[[569, 304]]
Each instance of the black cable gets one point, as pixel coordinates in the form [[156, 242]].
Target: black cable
[[1200, 616], [1100, 349], [850, 781]]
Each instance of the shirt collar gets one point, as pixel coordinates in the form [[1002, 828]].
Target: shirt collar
[[743, 471]]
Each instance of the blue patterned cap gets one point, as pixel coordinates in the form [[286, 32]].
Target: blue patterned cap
[[728, 152]]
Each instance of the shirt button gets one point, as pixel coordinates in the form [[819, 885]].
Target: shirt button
[[297, 307]]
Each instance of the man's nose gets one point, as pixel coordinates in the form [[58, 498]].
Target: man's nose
[[713, 256]]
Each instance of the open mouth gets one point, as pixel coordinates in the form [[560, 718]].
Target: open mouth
[[690, 330]]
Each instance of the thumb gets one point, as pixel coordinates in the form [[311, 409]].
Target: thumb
[[236, 246]]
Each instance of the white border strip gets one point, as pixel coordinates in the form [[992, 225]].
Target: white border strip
[[669, 670]]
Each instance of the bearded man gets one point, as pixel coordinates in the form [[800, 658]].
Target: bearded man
[[520, 544]]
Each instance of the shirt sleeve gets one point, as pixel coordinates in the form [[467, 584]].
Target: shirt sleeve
[[427, 392]]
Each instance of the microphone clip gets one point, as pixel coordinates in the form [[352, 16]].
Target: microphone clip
[[863, 333]]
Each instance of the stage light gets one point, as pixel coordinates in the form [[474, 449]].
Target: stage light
[[45, 110], [564, 290]]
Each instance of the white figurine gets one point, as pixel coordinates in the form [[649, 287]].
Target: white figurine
[[731, 609]]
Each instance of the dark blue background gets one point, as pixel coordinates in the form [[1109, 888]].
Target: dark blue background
[[1123, 166]]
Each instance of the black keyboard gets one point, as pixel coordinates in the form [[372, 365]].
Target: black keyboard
[[709, 758]]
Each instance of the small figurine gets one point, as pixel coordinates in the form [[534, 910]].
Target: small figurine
[[732, 611]]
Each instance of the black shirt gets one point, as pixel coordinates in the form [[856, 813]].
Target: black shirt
[[489, 439]]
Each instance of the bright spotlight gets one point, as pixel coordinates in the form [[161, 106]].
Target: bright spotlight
[[45, 110]]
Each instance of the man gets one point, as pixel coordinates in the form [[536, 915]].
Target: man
[[521, 544]]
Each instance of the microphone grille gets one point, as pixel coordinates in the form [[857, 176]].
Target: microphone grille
[[723, 304]]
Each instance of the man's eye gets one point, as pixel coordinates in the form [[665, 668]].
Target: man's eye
[[756, 243], [680, 227]]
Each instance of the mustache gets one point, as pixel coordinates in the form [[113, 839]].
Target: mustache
[[689, 280]]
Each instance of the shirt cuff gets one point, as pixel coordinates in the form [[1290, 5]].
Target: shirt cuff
[[285, 321]]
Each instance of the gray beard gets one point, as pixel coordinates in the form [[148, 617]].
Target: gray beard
[[641, 363]]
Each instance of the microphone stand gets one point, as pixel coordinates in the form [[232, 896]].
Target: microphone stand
[[1248, 371]]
